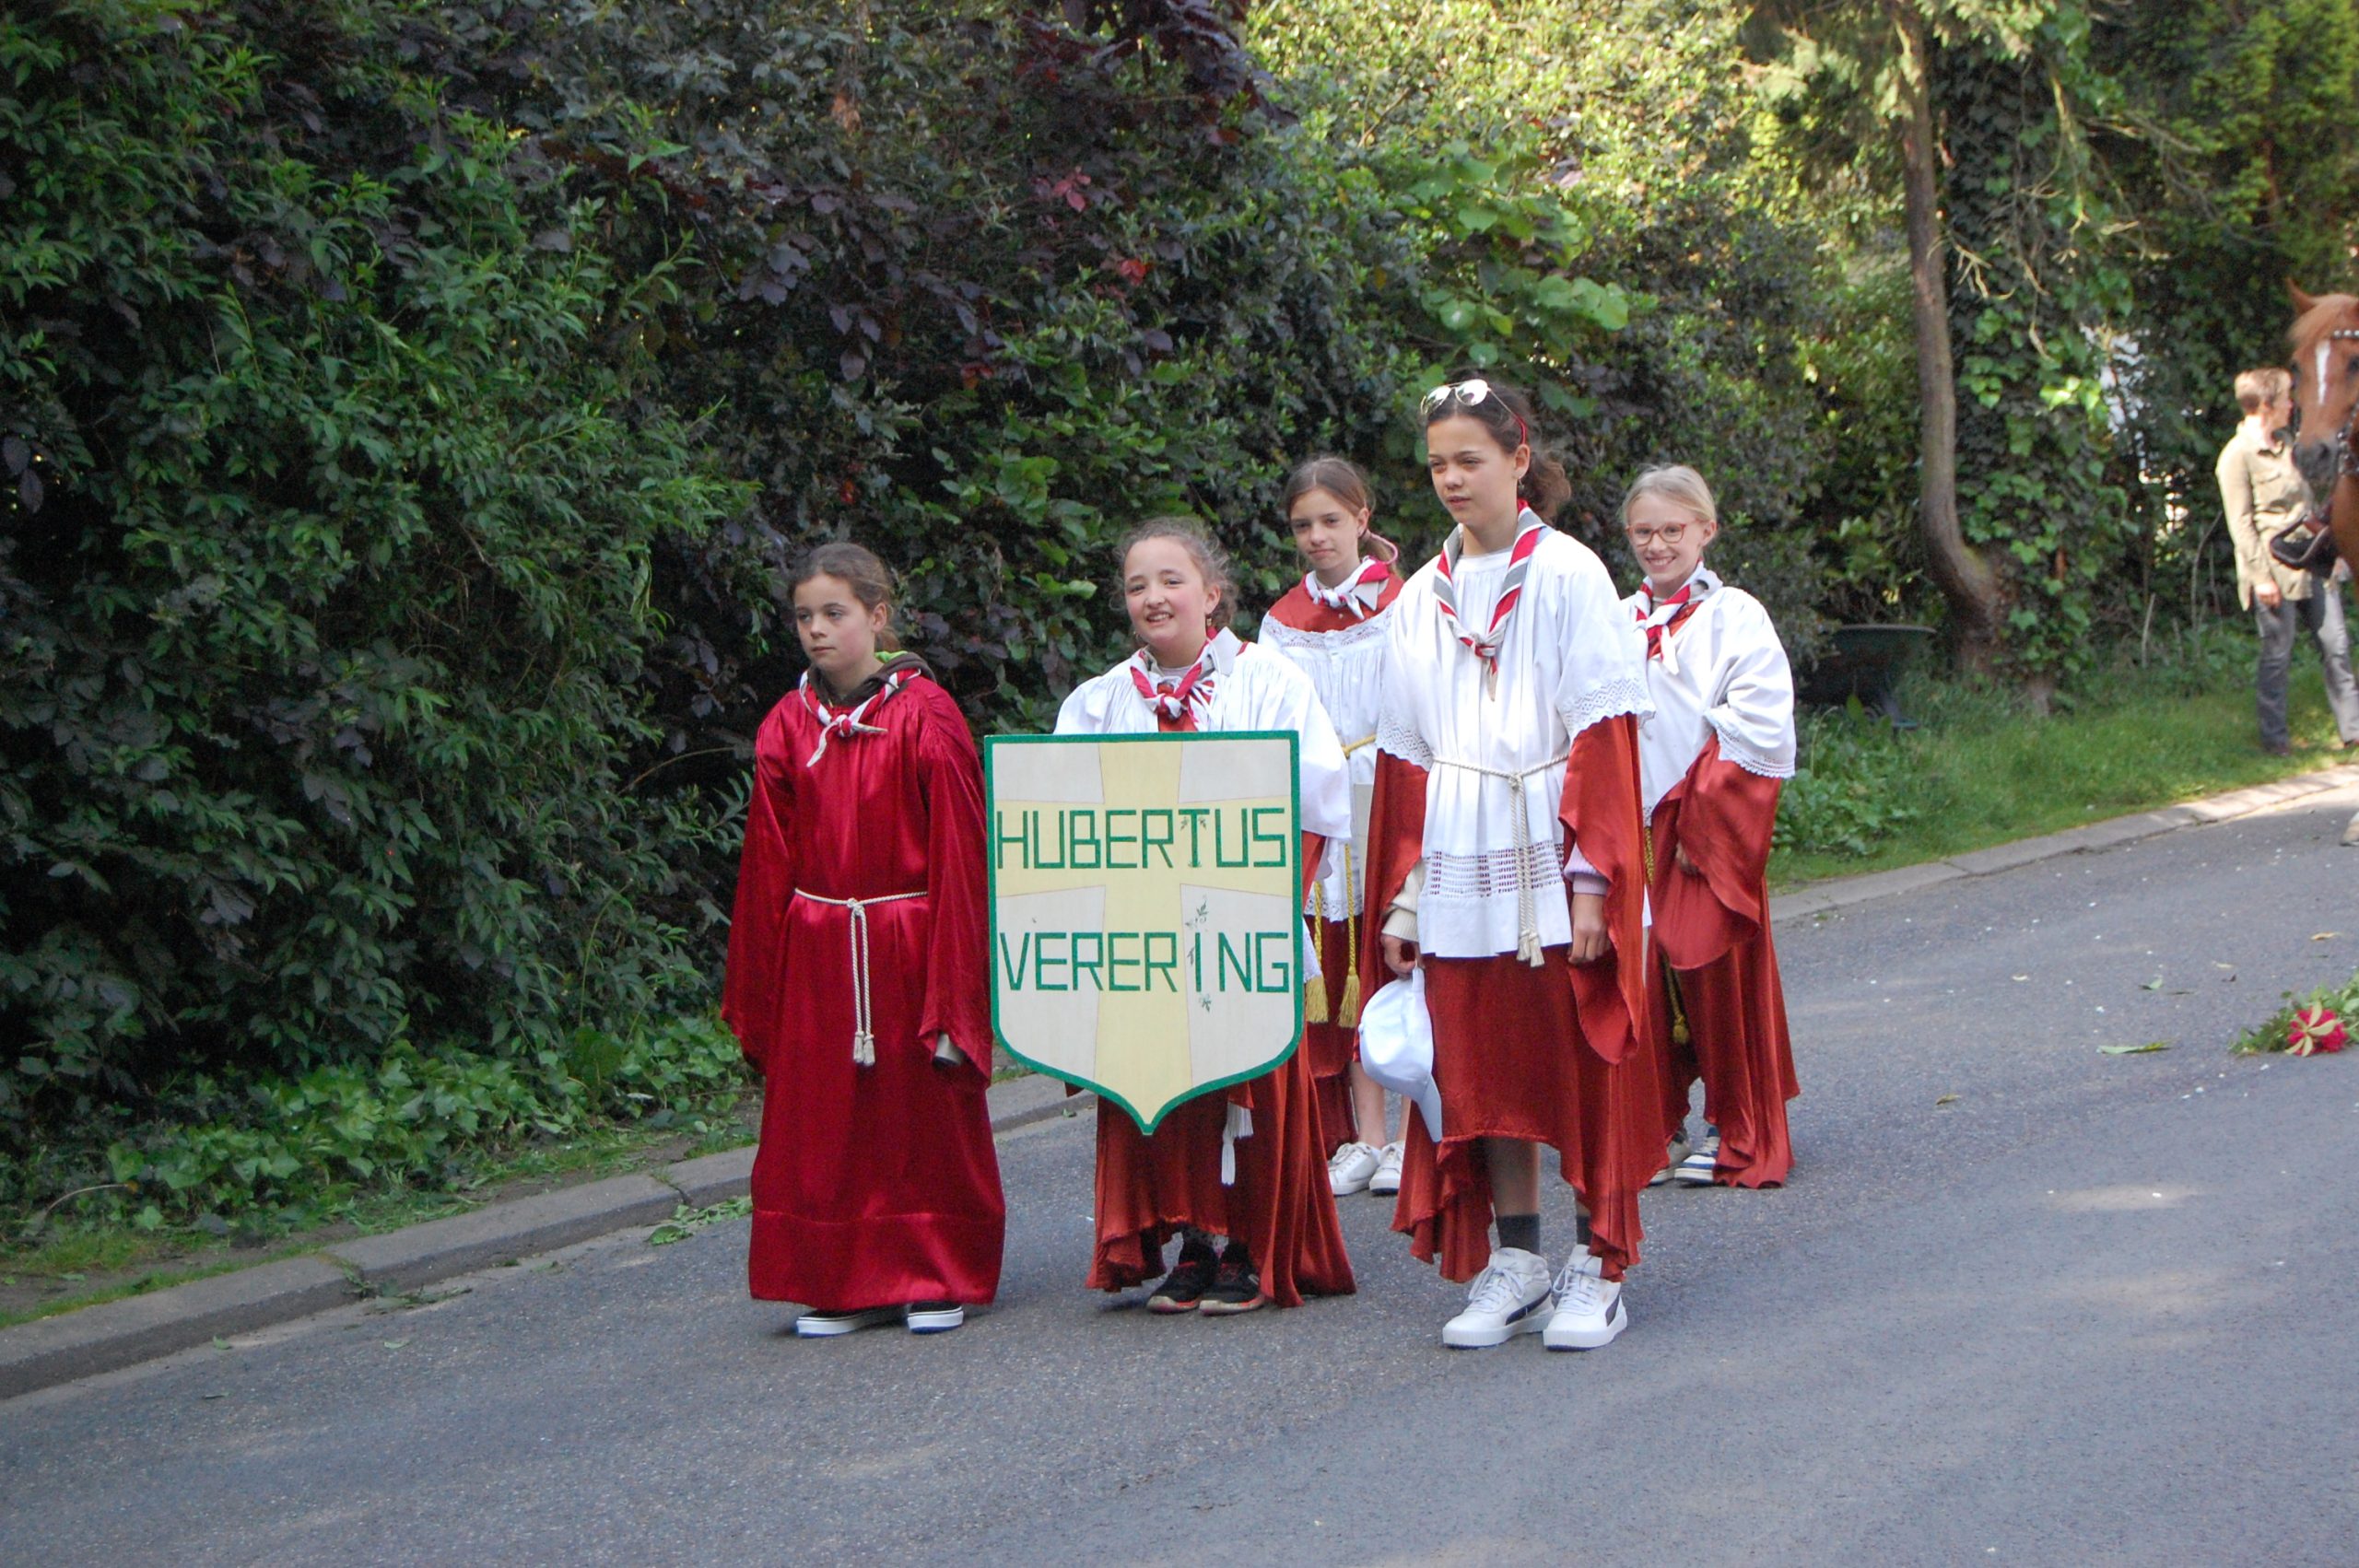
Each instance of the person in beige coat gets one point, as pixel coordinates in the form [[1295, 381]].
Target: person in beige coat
[[2263, 494]]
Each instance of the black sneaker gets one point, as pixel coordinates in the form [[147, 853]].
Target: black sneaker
[[1236, 1287], [1185, 1286]]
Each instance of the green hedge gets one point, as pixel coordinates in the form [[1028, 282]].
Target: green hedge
[[326, 591]]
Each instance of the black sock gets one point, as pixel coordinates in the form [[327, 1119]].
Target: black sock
[[1519, 1231], [1194, 1243], [1581, 1229]]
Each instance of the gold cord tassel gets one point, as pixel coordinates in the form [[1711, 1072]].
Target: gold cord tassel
[[1314, 992], [1680, 1033], [1349, 1014]]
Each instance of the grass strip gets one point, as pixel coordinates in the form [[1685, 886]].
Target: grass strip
[[1984, 769]]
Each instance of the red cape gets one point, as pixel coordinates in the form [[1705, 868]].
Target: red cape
[[1151, 1187], [1333, 1047], [1576, 1070], [1297, 609], [1712, 932]]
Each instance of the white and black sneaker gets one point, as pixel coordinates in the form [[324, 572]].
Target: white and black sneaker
[[934, 1317], [1589, 1307], [1673, 1154], [1696, 1170], [1511, 1296], [1386, 1179], [827, 1325], [1350, 1168]]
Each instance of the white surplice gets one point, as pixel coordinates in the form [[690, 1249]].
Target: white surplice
[[1722, 672], [1571, 656], [1346, 669], [1253, 689]]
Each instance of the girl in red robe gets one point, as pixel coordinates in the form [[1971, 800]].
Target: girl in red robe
[[1505, 849], [1711, 762], [1333, 626], [856, 980], [1272, 1203]]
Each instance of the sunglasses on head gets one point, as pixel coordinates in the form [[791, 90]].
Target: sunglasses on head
[[1471, 394]]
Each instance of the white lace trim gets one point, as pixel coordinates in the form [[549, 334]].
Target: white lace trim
[[1370, 630], [1607, 700], [1396, 731], [1733, 749], [1491, 874]]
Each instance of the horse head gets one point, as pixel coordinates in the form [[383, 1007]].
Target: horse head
[[2324, 339]]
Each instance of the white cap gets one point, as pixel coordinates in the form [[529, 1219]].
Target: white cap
[[1397, 1046]]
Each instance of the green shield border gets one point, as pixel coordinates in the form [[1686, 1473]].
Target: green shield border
[[1293, 865]]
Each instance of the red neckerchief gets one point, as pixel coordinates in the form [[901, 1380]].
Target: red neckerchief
[[1173, 699], [1346, 596], [1661, 620], [1486, 647], [844, 723]]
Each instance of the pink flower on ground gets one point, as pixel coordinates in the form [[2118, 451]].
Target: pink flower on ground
[[2315, 1029]]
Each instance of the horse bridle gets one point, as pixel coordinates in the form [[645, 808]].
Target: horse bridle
[[2346, 464]]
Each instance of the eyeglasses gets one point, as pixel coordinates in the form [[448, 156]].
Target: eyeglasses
[[1469, 392], [1669, 534]]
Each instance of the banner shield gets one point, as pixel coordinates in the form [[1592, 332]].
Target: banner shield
[[1146, 896]]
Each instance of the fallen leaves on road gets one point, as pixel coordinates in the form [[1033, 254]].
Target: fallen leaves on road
[[395, 1344], [1946, 1100], [687, 1222], [2134, 1051], [2324, 936]]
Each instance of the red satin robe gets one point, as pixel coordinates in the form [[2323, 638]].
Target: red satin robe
[[873, 1185], [1712, 930], [1333, 1047], [1150, 1189], [1560, 1055]]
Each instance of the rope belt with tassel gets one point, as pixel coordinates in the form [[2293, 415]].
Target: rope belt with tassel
[[1680, 1034], [1346, 1012], [1527, 900], [864, 1038]]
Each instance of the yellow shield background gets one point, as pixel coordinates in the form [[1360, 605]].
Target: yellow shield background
[[1146, 890]]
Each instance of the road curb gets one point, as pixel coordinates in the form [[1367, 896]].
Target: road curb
[[501, 1232], [115, 1334]]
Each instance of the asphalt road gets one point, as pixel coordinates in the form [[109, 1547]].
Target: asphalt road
[[2093, 1309]]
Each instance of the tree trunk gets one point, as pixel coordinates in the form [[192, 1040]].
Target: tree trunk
[[1964, 579]]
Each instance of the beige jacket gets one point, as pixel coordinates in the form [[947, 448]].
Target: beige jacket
[[2262, 492]]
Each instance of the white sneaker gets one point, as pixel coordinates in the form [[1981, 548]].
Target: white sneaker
[[1672, 1156], [1386, 1179], [1698, 1169], [934, 1317], [1511, 1296], [827, 1325], [1350, 1168], [1589, 1307]]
